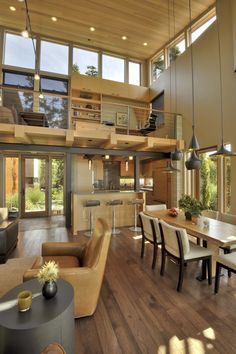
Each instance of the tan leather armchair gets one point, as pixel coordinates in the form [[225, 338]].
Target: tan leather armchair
[[83, 267]]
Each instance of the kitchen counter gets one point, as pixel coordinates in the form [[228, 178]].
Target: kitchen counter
[[101, 191], [124, 212]]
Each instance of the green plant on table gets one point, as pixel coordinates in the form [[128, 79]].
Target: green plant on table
[[191, 205]]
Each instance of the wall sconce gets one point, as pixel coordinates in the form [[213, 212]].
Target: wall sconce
[[89, 164], [126, 166]]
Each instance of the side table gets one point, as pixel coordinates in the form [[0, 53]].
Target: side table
[[46, 322]]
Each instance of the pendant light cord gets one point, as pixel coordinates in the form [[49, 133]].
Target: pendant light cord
[[169, 49], [28, 27], [191, 56], [220, 70], [175, 60]]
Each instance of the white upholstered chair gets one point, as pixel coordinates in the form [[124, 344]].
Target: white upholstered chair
[[230, 219], [156, 207], [227, 261], [212, 214], [150, 233], [175, 243]]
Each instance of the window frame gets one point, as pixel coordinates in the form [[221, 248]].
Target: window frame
[[55, 79], [21, 73], [49, 73], [117, 57], [140, 68]]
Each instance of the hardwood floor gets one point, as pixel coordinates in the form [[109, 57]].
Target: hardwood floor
[[139, 311]]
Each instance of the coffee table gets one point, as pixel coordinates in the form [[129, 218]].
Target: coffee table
[[46, 322]]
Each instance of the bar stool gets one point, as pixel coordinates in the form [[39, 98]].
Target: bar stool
[[113, 204], [136, 203], [91, 204]]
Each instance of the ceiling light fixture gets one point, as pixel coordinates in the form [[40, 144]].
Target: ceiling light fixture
[[12, 8], [131, 158], [92, 29], [54, 19], [41, 96], [145, 44], [126, 166], [193, 163], [124, 38], [89, 164], [222, 151], [36, 75], [107, 157]]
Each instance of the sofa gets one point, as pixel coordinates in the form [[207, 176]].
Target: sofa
[[82, 266], [8, 234]]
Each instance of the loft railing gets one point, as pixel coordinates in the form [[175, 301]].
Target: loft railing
[[18, 106]]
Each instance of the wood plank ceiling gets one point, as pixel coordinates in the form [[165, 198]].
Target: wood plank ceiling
[[140, 20]]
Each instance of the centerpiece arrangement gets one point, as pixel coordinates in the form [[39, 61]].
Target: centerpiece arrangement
[[191, 206], [47, 275]]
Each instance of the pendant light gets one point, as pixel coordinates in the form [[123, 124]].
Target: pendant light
[[193, 163], [170, 168], [222, 151], [26, 33], [177, 154]]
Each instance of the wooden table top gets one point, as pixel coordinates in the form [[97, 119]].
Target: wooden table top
[[218, 232]]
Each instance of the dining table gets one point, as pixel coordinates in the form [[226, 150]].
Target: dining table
[[214, 233]]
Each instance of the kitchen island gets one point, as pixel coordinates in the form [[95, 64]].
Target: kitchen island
[[124, 213]]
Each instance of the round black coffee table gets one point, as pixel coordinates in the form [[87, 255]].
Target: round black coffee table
[[46, 322]]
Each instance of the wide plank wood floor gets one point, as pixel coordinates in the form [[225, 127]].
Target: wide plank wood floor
[[139, 311]]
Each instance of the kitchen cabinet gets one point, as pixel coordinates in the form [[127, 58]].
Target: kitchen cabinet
[[129, 172]]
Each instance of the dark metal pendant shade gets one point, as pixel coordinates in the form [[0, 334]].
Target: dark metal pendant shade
[[193, 145], [176, 155], [170, 168], [222, 152], [193, 163]]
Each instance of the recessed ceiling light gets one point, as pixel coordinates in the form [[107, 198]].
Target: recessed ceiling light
[[12, 8], [54, 19], [124, 38], [92, 29], [21, 0], [145, 44]]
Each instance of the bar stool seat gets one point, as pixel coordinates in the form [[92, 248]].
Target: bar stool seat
[[113, 204], [136, 203], [91, 204]]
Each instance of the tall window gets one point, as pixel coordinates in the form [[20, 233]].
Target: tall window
[[85, 62], [199, 31], [176, 49], [18, 51], [134, 73], [113, 68], [56, 110], [227, 184], [54, 57], [158, 65], [208, 180]]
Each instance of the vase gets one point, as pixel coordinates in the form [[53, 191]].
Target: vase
[[49, 289], [188, 215]]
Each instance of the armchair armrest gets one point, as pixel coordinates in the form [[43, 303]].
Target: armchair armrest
[[63, 249]]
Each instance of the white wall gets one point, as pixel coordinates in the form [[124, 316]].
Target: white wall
[[206, 86]]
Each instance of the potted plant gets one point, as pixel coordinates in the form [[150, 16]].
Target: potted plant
[[191, 206], [47, 275]]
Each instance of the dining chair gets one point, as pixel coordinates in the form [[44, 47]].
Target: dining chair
[[175, 243], [150, 233], [156, 207], [227, 261], [212, 214], [230, 219]]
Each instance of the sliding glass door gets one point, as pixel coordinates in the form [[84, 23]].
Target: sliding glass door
[[35, 182]]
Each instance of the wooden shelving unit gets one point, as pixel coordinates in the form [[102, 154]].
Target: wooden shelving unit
[[85, 105]]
